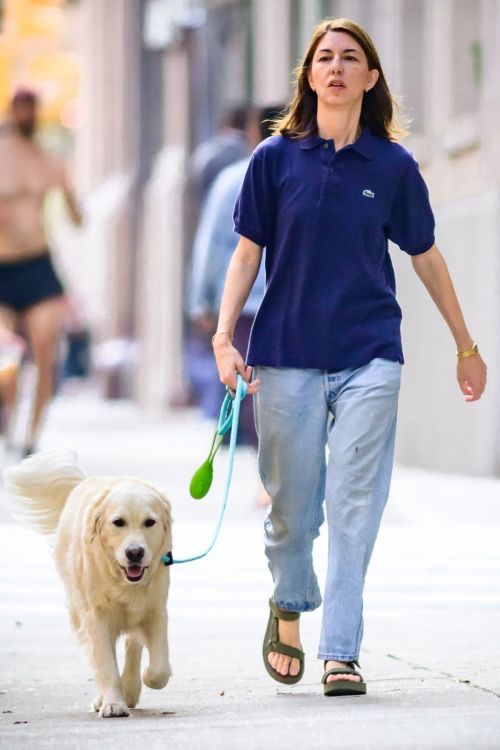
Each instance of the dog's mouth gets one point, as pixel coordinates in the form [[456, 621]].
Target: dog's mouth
[[134, 573]]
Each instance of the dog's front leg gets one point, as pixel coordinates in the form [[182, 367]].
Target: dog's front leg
[[131, 675], [103, 656], [155, 632]]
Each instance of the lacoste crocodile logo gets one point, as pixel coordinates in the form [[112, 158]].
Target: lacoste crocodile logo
[[368, 194]]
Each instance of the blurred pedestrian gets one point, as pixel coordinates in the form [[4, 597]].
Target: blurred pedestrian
[[232, 141], [236, 135], [214, 244], [324, 195], [30, 291]]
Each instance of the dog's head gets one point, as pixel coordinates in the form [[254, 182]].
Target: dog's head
[[132, 523]]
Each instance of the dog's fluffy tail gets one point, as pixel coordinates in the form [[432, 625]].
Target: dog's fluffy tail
[[40, 486]]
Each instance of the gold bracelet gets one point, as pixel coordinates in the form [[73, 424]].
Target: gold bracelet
[[217, 333], [468, 352]]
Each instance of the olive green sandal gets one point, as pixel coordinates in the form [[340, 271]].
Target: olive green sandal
[[272, 643], [343, 687]]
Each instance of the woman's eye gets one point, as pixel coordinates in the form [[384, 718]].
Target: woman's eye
[[149, 522], [324, 59], [119, 522]]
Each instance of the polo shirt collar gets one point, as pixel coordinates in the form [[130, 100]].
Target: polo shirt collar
[[365, 145]]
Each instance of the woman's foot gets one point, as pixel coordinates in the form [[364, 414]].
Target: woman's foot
[[288, 632], [331, 664]]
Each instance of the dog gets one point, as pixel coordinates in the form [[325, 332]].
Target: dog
[[110, 533]]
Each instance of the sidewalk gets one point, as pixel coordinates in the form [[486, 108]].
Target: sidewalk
[[432, 615]]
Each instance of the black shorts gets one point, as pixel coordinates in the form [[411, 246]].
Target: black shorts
[[25, 283]]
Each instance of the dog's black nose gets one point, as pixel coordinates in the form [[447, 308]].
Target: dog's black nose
[[135, 553]]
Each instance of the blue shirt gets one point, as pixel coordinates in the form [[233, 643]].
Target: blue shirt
[[214, 244], [325, 218]]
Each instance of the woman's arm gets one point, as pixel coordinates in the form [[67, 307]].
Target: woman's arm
[[241, 274], [433, 272]]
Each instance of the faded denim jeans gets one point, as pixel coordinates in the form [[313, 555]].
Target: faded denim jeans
[[298, 412]]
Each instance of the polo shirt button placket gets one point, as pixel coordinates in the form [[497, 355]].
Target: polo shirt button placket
[[332, 182], [327, 160]]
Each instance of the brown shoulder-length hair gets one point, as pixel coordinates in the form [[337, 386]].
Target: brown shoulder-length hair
[[379, 107]]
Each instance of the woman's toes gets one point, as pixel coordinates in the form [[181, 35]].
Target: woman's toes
[[294, 668], [334, 677], [280, 664], [350, 677], [273, 659], [283, 665]]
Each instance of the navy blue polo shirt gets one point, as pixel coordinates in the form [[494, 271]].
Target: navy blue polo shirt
[[325, 218]]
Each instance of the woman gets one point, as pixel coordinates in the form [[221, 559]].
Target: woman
[[324, 195]]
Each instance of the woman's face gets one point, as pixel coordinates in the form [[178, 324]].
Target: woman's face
[[339, 73]]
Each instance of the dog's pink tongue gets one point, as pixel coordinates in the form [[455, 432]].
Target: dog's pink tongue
[[134, 571]]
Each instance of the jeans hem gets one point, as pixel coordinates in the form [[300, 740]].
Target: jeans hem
[[288, 606], [338, 657]]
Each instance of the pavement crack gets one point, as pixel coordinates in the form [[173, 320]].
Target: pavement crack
[[445, 674]]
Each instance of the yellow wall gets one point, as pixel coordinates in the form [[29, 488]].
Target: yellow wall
[[33, 53]]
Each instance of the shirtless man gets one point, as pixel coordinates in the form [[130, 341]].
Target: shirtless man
[[30, 291]]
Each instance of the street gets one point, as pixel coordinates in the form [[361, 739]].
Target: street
[[432, 613]]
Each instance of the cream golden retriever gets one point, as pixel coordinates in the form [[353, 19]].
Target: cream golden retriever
[[110, 533]]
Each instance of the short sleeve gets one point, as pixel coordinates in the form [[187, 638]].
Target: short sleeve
[[255, 205], [411, 222]]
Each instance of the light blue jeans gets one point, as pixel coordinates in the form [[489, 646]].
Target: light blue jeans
[[297, 413]]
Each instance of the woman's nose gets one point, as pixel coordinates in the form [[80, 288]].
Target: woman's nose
[[337, 64]]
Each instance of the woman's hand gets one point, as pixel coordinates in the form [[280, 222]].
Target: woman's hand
[[230, 362], [471, 376]]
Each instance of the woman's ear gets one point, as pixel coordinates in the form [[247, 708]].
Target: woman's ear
[[373, 76]]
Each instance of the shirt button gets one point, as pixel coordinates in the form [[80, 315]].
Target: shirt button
[[325, 145]]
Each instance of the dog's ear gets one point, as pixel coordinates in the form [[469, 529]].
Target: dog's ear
[[166, 513], [93, 515]]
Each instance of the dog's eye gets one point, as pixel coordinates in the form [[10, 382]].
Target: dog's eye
[[119, 522], [149, 522]]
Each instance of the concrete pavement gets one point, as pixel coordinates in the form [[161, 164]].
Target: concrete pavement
[[432, 614]]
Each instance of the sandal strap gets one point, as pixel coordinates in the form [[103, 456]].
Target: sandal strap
[[347, 663], [283, 614], [282, 648]]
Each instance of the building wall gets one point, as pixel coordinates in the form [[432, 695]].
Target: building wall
[[106, 161], [459, 154]]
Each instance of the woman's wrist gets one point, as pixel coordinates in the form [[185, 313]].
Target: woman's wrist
[[222, 335], [463, 353]]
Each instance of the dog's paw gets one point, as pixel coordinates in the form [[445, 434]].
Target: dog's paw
[[96, 703], [110, 710], [156, 679], [132, 692]]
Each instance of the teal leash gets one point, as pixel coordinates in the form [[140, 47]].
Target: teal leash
[[228, 419]]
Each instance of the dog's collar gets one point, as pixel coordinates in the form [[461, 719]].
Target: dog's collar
[[167, 559]]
